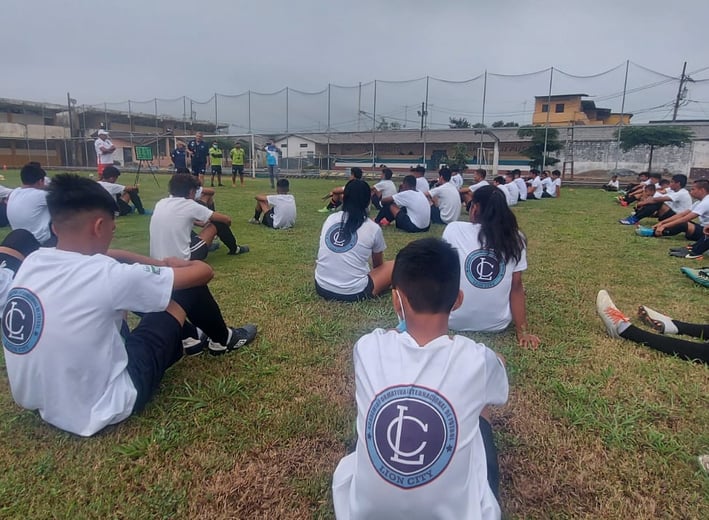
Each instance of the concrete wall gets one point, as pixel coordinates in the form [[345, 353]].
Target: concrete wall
[[21, 131], [294, 148]]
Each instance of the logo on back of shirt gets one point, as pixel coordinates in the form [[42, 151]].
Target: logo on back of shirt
[[483, 269], [411, 435], [22, 321], [338, 240]]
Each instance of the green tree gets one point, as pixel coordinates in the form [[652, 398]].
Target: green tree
[[511, 124], [459, 158], [501, 124], [652, 136], [458, 122], [535, 151], [388, 125], [479, 125]]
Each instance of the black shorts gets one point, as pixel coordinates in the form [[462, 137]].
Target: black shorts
[[217, 170], [198, 168], [366, 294], [404, 223], [698, 233], [237, 168], [267, 219], [198, 248]]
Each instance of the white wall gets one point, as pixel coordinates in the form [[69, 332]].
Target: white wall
[[294, 148]]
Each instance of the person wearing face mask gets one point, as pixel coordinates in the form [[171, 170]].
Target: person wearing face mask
[[493, 254], [424, 442]]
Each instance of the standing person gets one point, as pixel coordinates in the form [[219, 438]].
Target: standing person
[[445, 199], [198, 151], [409, 208], [425, 446], [215, 160], [272, 161], [27, 205], [493, 254], [104, 151], [278, 210], [123, 194], [179, 158], [348, 241], [237, 163]]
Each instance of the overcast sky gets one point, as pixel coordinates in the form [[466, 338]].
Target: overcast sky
[[113, 51]]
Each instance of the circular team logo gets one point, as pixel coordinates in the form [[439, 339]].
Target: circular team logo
[[338, 240], [483, 269], [411, 435], [22, 321]]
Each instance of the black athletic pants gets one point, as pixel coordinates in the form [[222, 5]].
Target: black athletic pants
[[689, 350]]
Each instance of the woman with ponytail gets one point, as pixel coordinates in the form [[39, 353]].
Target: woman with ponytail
[[492, 253], [347, 242]]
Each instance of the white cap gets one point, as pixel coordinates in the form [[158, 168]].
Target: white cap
[[102, 132]]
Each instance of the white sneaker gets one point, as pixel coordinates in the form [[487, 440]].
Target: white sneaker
[[658, 321], [609, 313]]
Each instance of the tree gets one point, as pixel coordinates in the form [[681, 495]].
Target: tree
[[458, 122], [479, 125], [652, 136], [388, 125], [535, 151], [459, 157], [511, 124], [501, 124]]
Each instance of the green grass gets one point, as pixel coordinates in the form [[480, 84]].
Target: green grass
[[595, 427]]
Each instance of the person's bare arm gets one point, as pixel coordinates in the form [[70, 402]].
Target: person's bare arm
[[518, 307], [189, 273], [261, 198], [387, 200], [377, 259], [220, 217], [680, 218]]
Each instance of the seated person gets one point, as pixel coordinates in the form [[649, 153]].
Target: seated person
[[535, 189], [27, 205], [492, 254], [65, 354], [500, 183], [512, 189], [278, 210], [348, 241], [683, 222], [663, 206], [123, 194], [554, 189], [634, 191], [456, 177], [693, 251], [618, 326], [445, 199], [336, 194], [174, 217], [4, 194], [384, 188], [421, 182], [521, 185], [409, 208], [478, 182], [13, 249], [424, 442], [612, 185], [546, 184]]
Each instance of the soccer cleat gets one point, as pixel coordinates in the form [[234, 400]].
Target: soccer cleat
[[194, 346], [239, 250], [679, 254], [629, 221], [692, 256], [623, 203], [700, 276], [253, 220], [147, 212], [680, 249], [643, 231], [609, 313], [384, 222], [236, 339], [658, 321], [324, 210]]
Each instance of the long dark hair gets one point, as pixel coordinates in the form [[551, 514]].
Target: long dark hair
[[355, 202], [498, 225]]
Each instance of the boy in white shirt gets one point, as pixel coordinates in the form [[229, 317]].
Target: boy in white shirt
[[409, 208], [675, 200], [27, 205], [546, 184], [384, 188], [612, 185], [424, 443], [445, 199], [521, 185], [337, 193], [63, 325], [456, 177], [512, 188], [683, 222], [421, 182], [123, 194], [278, 210], [554, 188], [14, 248], [466, 194], [536, 188]]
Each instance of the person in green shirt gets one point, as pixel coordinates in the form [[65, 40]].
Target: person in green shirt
[[215, 159], [237, 163]]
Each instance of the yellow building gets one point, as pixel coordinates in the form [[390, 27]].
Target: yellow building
[[571, 109]]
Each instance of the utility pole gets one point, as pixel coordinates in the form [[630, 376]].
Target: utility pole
[[681, 91]]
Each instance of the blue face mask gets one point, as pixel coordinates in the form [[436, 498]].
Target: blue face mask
[[401, 326]]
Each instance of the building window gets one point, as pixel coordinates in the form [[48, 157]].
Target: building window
[[545, 108], [303, 145], [559, 108], [284, 145]]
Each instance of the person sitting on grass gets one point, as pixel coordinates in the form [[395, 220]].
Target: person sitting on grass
[[14, 248], [348, 241], [456, 177], [466, 193], [492, 254], [445, 199], [174, 217], [425, 447], [500, 184], [62, 329], [663, 206], [535, 189], [554, 189], [409, 208], [421, 182], [618, 326], [546, 184], [633, 191], [336, 194], [276, 211], [384, 188], [612, 185], [512, 189], [521, 184], [27, 205], [123, 194]]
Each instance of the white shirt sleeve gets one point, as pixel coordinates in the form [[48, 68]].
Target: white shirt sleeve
[[140, 288]]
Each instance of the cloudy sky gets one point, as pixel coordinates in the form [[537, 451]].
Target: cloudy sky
[[113, 51]]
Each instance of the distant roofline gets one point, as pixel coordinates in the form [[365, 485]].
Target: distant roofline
[[556, 96]]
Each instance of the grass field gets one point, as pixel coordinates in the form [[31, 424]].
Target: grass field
[[594, 428]]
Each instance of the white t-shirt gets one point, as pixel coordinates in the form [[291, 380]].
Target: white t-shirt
[[27, 209], [5, 192], [522, 187], [447, 199], [420, 453], [417, 207], [112, 188], [422, 184], [513, 190], [508, 195], [680, 201], [701, 208], [536, 183], [171, 224], [386, 188], [457, 180], [613, 184], [342, 265], [546, 184], [479, 185], [284, 211], [485, 279], [61, 332], [554, 187], [101, 157]]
